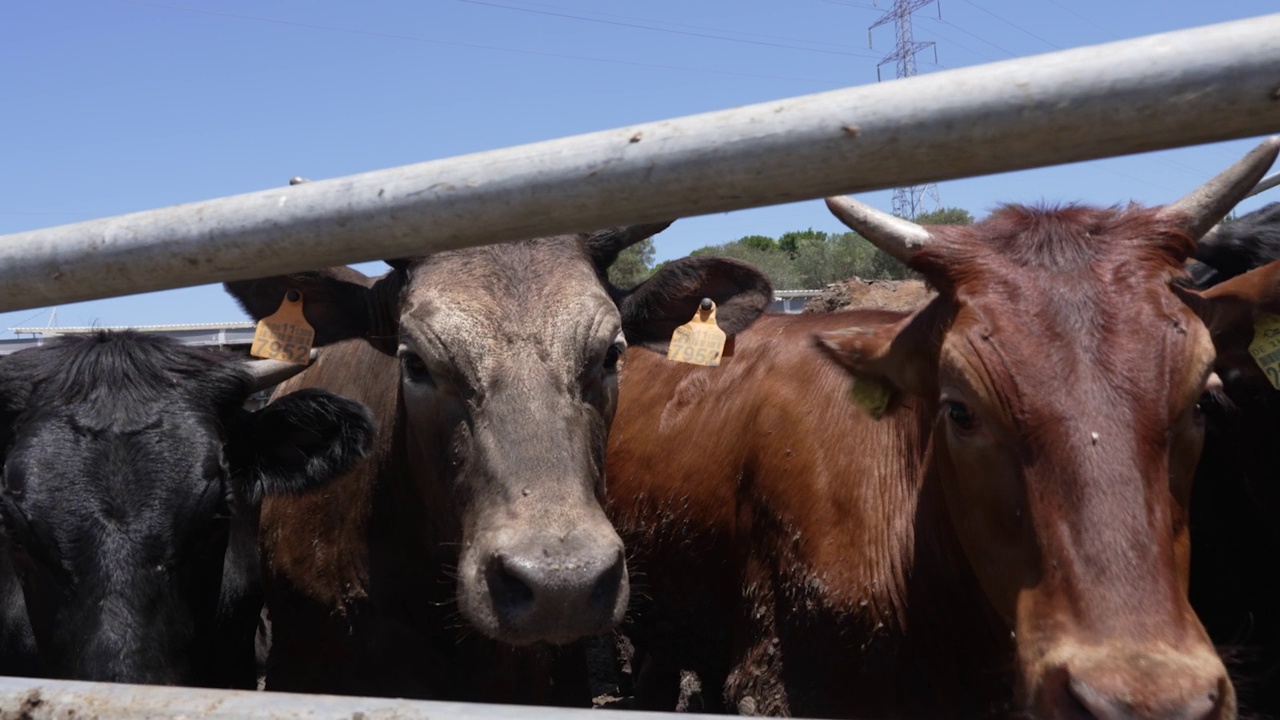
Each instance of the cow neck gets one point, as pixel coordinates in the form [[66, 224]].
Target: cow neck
[[408, 542]]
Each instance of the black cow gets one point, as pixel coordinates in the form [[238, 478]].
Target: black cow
[[132, 477], [1235, 247]]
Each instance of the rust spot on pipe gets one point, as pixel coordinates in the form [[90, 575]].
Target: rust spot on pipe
[[636, 138], [851, 130]]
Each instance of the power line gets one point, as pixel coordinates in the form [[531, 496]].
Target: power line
[[658, 29], [906, 200], [864, 6], [476, 46], [685, 25], [1012, 25], [982, 55], [1073, 12], [1010, 53]]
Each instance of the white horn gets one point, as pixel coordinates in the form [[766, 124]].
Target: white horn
[[898, 238], [1200, 210], [269, 373]]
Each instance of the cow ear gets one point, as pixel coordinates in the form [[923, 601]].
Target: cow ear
[[1231, 310], [899, 352], [15, 392], [668, 299], [300, 442], [340, 303]]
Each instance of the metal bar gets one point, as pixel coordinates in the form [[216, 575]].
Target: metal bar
[[28, 699], [1206, 84]]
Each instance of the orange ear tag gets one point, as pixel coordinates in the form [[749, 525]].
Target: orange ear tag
[[870, 395], [1265, 347], [699, 341], [286, 334]]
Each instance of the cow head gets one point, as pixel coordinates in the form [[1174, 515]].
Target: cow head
[[1065, 369], [508, 380], [125, 457]]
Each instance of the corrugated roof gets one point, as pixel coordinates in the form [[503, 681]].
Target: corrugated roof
[[235, 325]]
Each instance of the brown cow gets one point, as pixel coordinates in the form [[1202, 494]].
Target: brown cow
[[472, 543], [1009, 537]]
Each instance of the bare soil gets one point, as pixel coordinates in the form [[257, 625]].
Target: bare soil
[[871, 294]]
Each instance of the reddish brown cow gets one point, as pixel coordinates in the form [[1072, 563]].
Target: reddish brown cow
[[1009, 537], [472, 543]]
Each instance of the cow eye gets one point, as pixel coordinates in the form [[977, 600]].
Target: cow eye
[[613, 354], [415, 370], [960, 415]]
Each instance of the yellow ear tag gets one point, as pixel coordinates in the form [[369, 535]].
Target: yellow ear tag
[[871, 395], [699, 341], [1265, 347], [286, 334]]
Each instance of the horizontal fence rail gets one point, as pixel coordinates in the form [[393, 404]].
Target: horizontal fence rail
[[22, 699], [1206, 84]]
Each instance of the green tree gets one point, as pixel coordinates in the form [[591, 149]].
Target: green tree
[[945, 216], [790, 242], [633, 266], [763, 243]]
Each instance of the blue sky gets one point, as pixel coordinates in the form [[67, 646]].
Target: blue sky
[[116, 106]]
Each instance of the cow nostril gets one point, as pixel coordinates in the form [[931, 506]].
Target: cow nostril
[[1085, 703], [1083, 700], [506, 585], [605, 592]]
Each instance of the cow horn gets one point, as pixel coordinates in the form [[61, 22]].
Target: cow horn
[[1201, 209], [605, 245], [898, 238], [269, 373]]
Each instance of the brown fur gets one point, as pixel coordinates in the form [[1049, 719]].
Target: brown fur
[[819, 562]]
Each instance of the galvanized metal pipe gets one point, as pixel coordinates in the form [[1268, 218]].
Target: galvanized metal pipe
[[24, 699], [1206, 84]]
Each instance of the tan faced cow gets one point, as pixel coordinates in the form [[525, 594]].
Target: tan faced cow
[[472, 544]]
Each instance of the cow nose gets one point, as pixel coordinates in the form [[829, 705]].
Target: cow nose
[[1124, 695], [538, 594]]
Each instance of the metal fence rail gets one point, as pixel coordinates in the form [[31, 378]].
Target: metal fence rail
[[1206, 84], [22, 699]]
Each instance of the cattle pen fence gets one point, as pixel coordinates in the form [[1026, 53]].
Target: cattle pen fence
[[1206, 84]]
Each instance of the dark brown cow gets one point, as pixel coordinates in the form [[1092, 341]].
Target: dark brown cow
[[473, 542], [1235, 520], [1010, 537]]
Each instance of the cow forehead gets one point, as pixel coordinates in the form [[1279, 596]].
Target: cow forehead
[[1043, 341], [536, 293]]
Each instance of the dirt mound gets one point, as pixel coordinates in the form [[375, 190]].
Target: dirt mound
[[872, 294]]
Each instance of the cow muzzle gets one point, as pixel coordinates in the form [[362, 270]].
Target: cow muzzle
[[1152, 685], [542, 586]]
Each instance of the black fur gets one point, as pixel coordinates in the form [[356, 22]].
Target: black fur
[[1248, 242], [129, 468]]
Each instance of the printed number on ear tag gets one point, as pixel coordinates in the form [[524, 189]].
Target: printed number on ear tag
[[1265, 347], [871, 395], [699, 341], [285, 334]]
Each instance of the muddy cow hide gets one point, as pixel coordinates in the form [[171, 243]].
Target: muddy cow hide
[[132, 477]]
